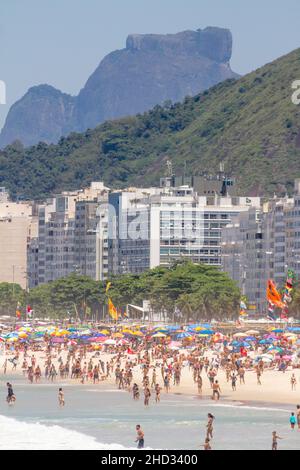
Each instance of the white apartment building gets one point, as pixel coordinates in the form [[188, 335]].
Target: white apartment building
[[67, 236], [170, 224]]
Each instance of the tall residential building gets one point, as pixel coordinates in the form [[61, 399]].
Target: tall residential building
[[261, 245], [17, 226], [148, 230], [67, 236]]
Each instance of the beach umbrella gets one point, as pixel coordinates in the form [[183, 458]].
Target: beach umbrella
[[271, 336], [159, 335], [138, 333], [105, 332], [266, 341], [205, 332], [265, 358], [56, 339], [111, 342], [96, 339], [182, 335], [243, 344], [240, 335], [250, 338], [118, 335], [252, 332], [23, 335], [275, 348], [277, 330], [285, 358], [122, 342]]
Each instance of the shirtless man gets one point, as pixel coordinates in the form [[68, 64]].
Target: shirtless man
[[274, 440], [140, 437], [216, 391]]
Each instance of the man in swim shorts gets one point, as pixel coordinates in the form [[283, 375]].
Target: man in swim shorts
[[140, 437]]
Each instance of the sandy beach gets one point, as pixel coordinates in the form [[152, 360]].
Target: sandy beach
[[275, 388]]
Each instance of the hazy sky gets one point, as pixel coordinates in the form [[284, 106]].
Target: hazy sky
[[60, 42]]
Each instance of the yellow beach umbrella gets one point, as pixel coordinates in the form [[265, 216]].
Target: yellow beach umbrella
[[118, 335]]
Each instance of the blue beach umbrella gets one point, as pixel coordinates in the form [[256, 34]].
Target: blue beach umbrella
[[205, 332], [183, 335], [266, 341]]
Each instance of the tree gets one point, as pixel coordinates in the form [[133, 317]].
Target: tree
[[11, 295]]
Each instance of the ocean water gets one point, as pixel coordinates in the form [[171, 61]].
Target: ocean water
[[102, 417]]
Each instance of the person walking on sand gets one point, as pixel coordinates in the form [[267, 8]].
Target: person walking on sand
[[258, 375], [233, 382], [147, 395], [199, 383], [274, 440], [157, 393], [140, 437], [293, 420], [293, 382]]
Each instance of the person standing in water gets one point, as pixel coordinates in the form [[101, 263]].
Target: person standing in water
[[10, 393], [293, 420], [61, 397], [298, 416], [274, 440], [209, 426], [216, 391], [206, 444], [140, 437]]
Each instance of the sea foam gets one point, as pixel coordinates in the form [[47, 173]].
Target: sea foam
[[19, 435]]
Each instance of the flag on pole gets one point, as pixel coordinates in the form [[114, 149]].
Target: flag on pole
[[273, 295], [112, 310], [107, 287], [29, 311], [243, 308]]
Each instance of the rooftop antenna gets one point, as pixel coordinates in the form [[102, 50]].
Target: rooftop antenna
[[184, 171], [169, 168]]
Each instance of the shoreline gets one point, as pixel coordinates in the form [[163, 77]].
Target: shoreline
[[240, 398]]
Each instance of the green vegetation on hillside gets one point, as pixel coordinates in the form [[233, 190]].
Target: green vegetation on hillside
[[250, 124]]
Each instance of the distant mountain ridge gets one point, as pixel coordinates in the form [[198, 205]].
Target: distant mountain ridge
[[250, 125], [151, 69]]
